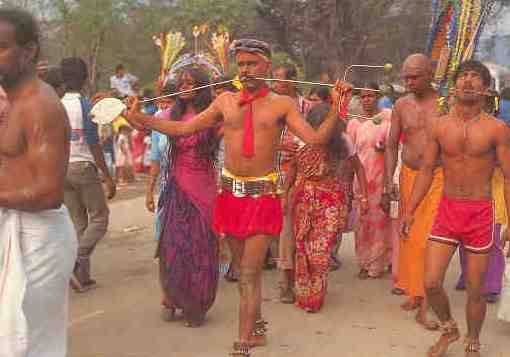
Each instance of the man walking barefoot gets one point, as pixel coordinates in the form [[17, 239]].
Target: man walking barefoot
[[470, 144]]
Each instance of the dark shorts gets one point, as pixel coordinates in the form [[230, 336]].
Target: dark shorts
[[470, 222]]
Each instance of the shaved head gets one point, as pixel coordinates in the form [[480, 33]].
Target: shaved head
[[418, 61], [417, 73]]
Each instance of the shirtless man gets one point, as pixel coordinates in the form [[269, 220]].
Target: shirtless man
[[470, 143], [37, 233], [248, 208], [411, 115]]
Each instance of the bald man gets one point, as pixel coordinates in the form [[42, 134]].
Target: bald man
[[411, 117]]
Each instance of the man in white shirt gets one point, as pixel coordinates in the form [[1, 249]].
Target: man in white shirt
[[83, 192], [124, 83]]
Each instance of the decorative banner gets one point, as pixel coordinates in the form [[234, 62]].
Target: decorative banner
[[453, 38], [170, 44]]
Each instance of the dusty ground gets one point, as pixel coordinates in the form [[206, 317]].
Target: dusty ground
[[360, 319]]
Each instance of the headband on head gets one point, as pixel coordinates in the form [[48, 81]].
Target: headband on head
[[255, 47]]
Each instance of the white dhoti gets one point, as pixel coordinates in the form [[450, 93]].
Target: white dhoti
[[37, 257]]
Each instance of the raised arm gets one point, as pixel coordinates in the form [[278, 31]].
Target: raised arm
[[34, 181], [209, 118], [425, 176], [304, 131]]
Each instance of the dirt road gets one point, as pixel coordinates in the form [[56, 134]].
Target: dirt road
[[120, 318]]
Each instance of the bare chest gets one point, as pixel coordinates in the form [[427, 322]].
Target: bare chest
[[415, 118], [264, 114], [463, 139], [12, 141]]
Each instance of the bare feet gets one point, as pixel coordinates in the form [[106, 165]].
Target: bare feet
[[397, 291], [411, 304], [287, 296], [421, 318], [363, 274], [446, 339], [257, 341]]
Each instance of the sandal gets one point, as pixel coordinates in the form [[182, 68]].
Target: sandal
[[449, 334], [231, 276], [259, 333], [471, 346], [240, 349]]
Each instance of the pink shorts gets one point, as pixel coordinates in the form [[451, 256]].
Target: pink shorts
[[470, 222]]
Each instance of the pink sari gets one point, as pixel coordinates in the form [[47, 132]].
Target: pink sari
[[372, 232]]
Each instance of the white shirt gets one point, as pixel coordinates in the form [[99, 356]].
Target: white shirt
[[79, 148], [123, 84]]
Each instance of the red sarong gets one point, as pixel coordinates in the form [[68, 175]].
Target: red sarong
[[245, 217]]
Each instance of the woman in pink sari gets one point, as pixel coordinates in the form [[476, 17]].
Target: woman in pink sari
[[372, 232], [188, 248]]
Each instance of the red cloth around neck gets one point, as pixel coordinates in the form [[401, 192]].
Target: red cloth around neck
[[247, 99]]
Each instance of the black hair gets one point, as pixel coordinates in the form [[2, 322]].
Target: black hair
[[74, 73], [119, 67], [322, 92], [54, 77], [477, 67], [372, 85], [169, 88], [290, 70], [200, 102], [336, 146], [203, 98], [25, 27]]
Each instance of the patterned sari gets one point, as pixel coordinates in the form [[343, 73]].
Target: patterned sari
[[188, 248], [319, 216]]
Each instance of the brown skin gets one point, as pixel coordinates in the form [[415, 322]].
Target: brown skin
[[470, 145], [270, 114], [34, 144], [411, 116]]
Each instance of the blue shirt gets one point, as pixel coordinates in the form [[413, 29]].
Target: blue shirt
[[504, 111]]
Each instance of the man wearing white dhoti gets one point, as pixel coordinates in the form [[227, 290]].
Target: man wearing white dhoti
[[37, 240]]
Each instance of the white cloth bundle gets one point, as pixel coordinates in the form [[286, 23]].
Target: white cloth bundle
[[13, 279], [39, 252]]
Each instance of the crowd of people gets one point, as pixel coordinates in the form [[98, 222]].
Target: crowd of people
[[259, 168]]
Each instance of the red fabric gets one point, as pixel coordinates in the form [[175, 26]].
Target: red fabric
[[249, 138], [245, 217], [470, 222]]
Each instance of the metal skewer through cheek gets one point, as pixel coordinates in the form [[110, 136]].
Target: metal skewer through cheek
[[187, 91]]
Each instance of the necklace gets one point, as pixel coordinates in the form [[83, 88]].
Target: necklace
[[467, 123]]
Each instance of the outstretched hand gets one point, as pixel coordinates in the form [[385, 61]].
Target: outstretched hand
[[132, 113]]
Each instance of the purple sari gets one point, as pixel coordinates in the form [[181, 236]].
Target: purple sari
[[188, 248]]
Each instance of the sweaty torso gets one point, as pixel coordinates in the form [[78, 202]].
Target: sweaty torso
[[12, 143], [415, 117], [268, 115], [468, 155], [15, 150]]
